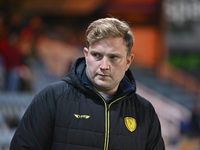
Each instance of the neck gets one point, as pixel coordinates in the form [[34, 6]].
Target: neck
[[108, 93]]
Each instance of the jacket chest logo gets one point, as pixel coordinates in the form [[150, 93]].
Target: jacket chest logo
[[82, 116], [130, 123]]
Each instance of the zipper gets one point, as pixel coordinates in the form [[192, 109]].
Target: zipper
[[107, 119]]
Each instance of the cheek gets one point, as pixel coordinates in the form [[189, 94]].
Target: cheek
[[89, 61], [91, 65], [122, 65], [119, 70]]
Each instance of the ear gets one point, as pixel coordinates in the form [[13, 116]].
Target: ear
[[130, 58], [85, 52]]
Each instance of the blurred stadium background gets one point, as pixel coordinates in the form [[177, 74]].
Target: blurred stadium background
[[39, 40]]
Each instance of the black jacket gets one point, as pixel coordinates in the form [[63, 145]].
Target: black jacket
[[71, 115]]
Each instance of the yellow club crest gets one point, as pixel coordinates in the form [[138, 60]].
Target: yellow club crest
[[130, 123], [82, 116]]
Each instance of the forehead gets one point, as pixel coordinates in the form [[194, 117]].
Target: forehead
[[109, 44]]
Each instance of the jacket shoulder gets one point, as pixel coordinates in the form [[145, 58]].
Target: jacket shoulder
[[52, 91], [144, 102]]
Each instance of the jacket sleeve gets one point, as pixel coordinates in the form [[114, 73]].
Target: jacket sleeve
[[35, 130], [155, 140]]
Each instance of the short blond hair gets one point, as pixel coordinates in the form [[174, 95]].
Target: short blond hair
[[109, 28]]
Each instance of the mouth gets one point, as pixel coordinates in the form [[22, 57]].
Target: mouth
[[103, 75]]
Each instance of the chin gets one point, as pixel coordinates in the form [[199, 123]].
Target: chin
[[102, 87]]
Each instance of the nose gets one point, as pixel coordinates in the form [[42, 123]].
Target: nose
[[104, 64]]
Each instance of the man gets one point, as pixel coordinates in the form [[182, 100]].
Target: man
[[95, 107]]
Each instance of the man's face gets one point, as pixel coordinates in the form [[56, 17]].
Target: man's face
[[107, 62]]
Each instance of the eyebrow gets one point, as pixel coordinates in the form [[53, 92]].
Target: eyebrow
[[99, 52]]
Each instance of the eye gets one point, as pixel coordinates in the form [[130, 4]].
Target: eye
[[97, 56], [113, 57]]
